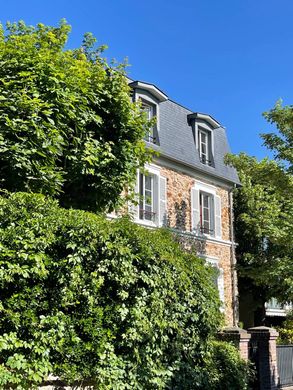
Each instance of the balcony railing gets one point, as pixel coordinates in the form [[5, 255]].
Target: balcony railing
[[205, 230], [147, 215]]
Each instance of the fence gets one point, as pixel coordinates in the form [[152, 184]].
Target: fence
[[285, 365]]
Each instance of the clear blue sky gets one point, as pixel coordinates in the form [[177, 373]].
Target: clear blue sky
[[229, 58]]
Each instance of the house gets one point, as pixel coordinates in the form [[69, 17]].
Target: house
[[188, 187]]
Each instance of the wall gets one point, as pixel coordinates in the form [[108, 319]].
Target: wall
[[179, 217]]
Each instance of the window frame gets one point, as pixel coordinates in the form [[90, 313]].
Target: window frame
[[142, 206], [210, 230], [197, 190], [206, 157], [150, 109], [159, 198], [147, 98], [220, 280]]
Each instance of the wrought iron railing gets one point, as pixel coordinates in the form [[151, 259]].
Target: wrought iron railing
[[147, 215], [205, 230]]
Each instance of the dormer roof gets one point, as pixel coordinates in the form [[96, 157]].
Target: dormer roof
[[204, 117], [151, 88]]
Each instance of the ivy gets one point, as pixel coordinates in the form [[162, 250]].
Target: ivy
[[90, 299]]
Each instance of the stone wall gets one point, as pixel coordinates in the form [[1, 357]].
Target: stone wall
[[179, 217]]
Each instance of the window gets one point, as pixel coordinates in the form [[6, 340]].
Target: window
[[218, 278], [206, 204], [150, 111], [204, 146], [146, 201], [151, 206], [205, 211]]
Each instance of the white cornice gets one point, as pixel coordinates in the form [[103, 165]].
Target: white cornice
[[151, 88]]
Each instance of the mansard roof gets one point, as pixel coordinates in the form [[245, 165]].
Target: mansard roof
[[177, 139]]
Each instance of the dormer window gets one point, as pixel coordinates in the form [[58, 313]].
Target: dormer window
[[150, 97], [203, 128], [204, 146], [150, 111]]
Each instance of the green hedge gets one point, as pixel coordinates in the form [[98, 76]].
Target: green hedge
[[108, 301], [226, 370]]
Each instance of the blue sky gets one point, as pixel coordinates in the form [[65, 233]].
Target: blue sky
[[229, 58]]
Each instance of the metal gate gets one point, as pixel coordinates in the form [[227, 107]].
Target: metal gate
[[285, 364]]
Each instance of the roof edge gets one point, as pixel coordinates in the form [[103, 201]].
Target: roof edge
[[160, 95], [205, 117]]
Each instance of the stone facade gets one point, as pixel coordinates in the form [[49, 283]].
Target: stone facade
[[179, 187]]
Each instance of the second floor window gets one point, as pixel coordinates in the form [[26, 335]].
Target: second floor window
[[206, 213], [204, 146], [150, 207], [146, 193]]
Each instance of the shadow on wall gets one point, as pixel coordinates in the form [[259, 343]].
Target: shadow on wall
[[190, 242]]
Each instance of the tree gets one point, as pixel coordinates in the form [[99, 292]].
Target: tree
[[281, 144], [263, 209], [68, 127]]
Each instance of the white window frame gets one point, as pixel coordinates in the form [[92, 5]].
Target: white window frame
[[143, 204], [211, 213], [208, 131], [147, 99], [204, 143], [214, 262], [150, 109], [159, 198], [197, 191]]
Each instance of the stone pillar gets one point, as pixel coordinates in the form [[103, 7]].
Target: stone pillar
[[265, 340], [239, 337]]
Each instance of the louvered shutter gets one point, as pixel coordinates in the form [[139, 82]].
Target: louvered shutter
[[195, 212], [163, 202], [218, 219], [156, 207]]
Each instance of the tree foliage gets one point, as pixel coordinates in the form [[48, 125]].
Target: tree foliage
[[264, 215], [68, 127], [281, 144], [86, 298]]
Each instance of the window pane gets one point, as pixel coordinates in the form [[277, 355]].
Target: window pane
[[206, 214], [148, 182]]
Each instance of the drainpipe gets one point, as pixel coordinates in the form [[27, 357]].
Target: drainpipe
[[235, 302]]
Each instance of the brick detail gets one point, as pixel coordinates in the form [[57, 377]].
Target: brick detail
[[265, 339], [239, 337]]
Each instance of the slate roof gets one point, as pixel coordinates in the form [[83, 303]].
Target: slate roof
[[176, 141]]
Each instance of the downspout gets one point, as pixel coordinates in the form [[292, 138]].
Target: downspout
[[235, 303]]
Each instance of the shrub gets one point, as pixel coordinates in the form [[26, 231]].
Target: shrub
[[286, 330], [108, 301], [226, 370]]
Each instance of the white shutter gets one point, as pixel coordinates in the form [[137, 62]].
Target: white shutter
[[163, 202], [156, 207], [195, 212], [133, 208], [220, 283], [218, 219]]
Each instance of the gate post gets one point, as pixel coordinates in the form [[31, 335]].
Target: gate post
[[265, 338], [239, 337]]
